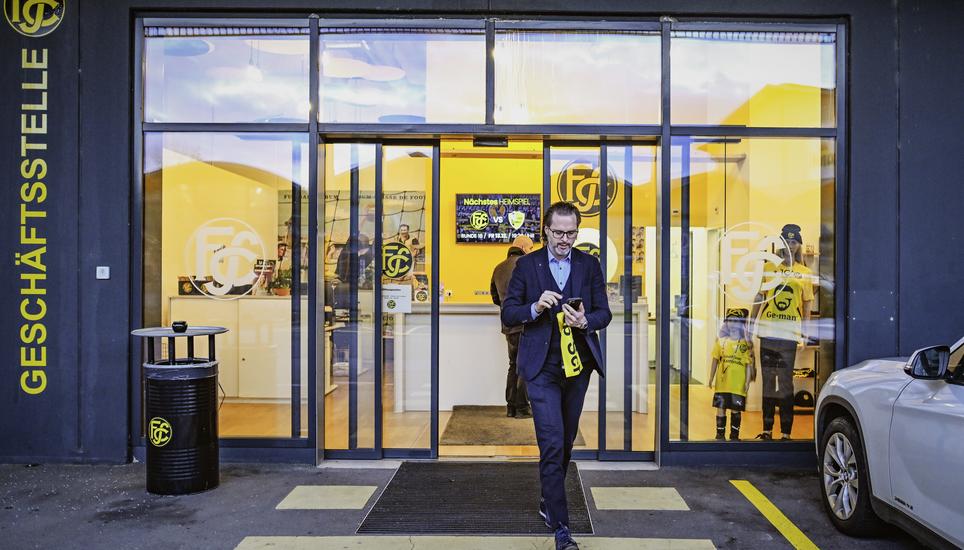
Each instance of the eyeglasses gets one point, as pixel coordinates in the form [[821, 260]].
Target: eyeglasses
[[567, 234]]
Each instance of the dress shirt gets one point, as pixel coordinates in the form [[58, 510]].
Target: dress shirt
[[560, 273]]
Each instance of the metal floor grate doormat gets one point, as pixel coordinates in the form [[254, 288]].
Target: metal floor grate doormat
[[499, 498]]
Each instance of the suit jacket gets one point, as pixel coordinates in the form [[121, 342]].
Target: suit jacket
[[500, 283], [529, 280]]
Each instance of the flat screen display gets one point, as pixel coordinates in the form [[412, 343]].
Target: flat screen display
[[496, 218]]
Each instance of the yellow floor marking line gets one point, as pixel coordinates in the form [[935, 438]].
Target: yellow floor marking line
[[773, 514]]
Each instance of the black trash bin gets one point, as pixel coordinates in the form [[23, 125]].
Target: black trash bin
[[181, 412]]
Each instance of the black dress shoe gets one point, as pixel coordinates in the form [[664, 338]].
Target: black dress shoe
[[509, 411], [523, 413], [564, 539]]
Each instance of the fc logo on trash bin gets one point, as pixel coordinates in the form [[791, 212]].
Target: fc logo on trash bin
[[160, 431]]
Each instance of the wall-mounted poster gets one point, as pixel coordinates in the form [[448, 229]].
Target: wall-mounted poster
[[496, 218]]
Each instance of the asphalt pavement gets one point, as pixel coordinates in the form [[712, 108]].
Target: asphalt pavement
[[102, 506]]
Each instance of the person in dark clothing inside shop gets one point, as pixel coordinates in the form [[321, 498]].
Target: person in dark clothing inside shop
[[516, 398], [778, 318], [558, 294]]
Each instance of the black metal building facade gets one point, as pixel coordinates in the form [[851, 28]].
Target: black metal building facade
[[69, 206]]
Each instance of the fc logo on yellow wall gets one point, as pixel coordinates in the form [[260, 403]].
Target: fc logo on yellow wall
[[397, 260], [160, 431], [34, 17], [578, 183]]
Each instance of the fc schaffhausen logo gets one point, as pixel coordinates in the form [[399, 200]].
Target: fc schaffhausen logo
[[578, 183], [222, 254], [34, 17], [160, 431], [397, 260], [479, 220], [745, 251]]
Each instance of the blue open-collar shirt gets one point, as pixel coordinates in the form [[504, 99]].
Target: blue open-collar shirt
[[560, 270]]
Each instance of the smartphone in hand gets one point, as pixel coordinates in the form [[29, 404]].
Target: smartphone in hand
[[574, 303]]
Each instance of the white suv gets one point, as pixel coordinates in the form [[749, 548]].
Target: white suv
[[890, 444]]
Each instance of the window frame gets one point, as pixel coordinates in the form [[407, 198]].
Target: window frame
[[308, 449]]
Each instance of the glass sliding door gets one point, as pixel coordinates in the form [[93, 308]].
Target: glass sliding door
[[349, 226], [618, 208], [379, 324], [630, 345], [406, 298]]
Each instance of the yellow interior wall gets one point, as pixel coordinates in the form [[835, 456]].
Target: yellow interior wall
[[784, 178], [465, 270], [194, 192]]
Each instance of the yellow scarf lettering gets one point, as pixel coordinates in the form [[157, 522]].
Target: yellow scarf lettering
[[571, 363]]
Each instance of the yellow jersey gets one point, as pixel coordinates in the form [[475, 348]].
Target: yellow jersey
[[782, 312], [733, 358]]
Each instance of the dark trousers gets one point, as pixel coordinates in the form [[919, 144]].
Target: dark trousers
[[515, 385], [776, 359], [556, 406]]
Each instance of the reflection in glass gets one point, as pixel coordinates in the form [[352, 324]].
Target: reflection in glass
[[577, 77], [775, 79], [222, 74], [217, 220], [402, 75], [753, 331]]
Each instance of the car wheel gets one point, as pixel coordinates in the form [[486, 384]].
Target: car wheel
[[844, 480]]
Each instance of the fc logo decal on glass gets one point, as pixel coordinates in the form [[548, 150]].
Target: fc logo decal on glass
[[745, 251], [221, 253], [578, 183], [397, 259], [160, 431], [34, 18]]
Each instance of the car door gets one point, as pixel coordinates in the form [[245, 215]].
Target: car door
[[927, 451]]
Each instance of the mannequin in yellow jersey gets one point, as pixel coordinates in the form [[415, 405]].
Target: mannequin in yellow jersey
[[778, 319], [731, 371]]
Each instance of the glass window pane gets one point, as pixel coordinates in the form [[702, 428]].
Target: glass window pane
[[753, 78], [239, 74], [753, 333], [578, 77], [402, 76], [218, 251]]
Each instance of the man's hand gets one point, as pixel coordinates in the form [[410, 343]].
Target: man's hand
[[575, 318], [547, 300]]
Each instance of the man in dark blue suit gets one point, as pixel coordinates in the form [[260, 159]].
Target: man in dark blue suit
[[558, 349]]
